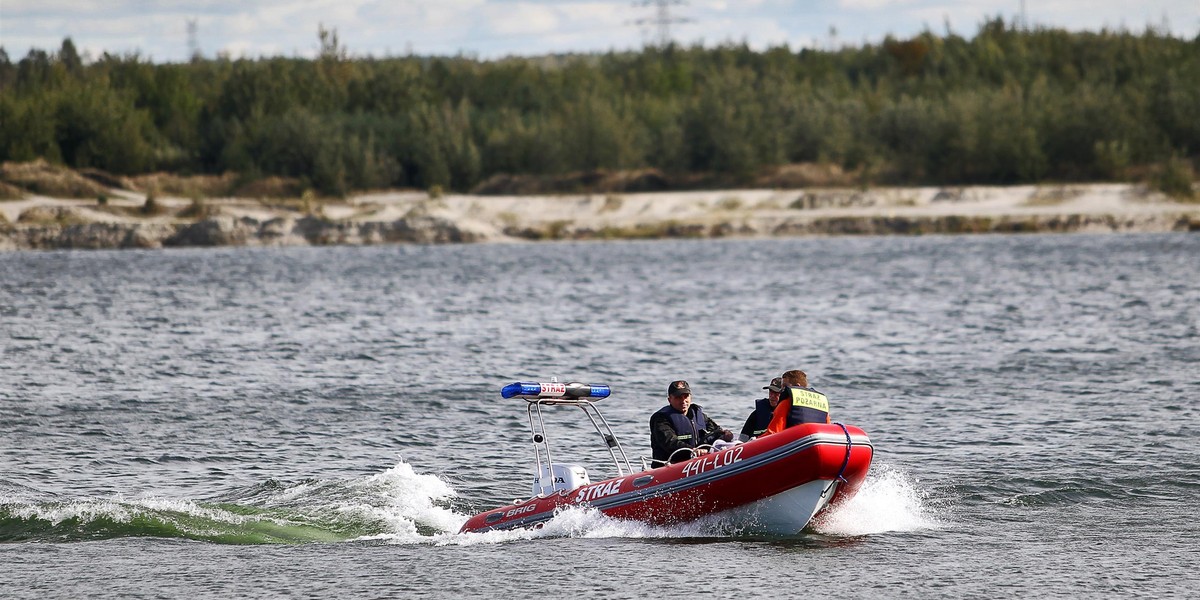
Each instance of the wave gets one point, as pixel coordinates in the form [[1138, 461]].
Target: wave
[[81, 520], [1163, 483], [398, 503]]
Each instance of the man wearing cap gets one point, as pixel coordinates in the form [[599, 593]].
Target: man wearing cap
[[757, 422], [798, 404], [682, 424]]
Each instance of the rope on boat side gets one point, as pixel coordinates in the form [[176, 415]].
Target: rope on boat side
[[845, 462]]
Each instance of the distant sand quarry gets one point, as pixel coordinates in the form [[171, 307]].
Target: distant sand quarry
[[38, 222]]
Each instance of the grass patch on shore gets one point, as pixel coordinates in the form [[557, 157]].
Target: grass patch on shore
[[187, 186], [10, 192], [199, 210], [508, 218], [554, 230], [270, 187], [1052, 196], [42, 178], [50, 215], [565, 230], [612, 203], [729, 203], [652, 231]]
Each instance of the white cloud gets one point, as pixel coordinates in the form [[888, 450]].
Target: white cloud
[[522, 18], [494, 28], [855, 5]]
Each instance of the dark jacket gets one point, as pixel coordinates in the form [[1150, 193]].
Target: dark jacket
[[671, 430], [757, 422]]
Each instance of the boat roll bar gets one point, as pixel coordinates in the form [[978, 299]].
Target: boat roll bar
[[554, 393]]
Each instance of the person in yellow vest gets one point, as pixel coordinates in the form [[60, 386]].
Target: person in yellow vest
[[798, 404]]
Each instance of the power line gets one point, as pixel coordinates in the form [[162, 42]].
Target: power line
[[420, 44], [662, 18], [192, 41]]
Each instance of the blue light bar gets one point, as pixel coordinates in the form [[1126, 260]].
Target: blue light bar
[[594, 390], [521, 390], [532, 390]]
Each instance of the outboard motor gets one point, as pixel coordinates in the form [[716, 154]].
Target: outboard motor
[[565, 477]]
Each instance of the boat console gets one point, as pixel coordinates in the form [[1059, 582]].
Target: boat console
[[565, 477]]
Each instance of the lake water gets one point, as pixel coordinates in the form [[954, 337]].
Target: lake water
[[320, 421]]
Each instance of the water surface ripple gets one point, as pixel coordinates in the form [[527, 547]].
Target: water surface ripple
[[318, 421]]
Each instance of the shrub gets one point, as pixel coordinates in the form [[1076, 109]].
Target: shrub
[[802, 202], [198, 209], [557, 230], [311, 205], [151, 206], [1175, 179], [612, 203], [729, 203]]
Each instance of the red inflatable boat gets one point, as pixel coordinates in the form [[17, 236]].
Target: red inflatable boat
[[774, 484]]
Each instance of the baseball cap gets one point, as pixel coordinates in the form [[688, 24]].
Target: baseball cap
[[776, 385], [678, 388]]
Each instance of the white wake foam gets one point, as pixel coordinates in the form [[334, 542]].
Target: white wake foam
[[889, 500], [581, 522], [404, 500]]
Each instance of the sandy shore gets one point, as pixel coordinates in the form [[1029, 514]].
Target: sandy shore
[[396, 217]]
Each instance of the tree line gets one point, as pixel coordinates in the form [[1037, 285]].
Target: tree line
[[1008, 105]]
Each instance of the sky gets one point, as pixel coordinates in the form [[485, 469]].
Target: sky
[[491, 29]]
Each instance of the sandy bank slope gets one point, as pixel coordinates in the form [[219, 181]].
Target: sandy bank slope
[[769, 212], [398, 217]]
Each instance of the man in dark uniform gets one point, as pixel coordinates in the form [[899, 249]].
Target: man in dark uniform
[[682, 424], [757, 422]]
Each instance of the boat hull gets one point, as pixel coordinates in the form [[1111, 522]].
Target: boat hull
[[786, 513], [775, 484]]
